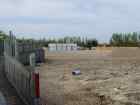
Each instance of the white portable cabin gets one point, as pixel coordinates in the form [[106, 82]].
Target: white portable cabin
[[52, 47], [62, 47]]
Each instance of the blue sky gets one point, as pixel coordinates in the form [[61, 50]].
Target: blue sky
[[58, 18]]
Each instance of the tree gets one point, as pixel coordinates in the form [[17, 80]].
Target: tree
[[2, 35], [91, 43], [125, 39]]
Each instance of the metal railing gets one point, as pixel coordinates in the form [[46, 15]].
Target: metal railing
[[20, 78], [25, 81]]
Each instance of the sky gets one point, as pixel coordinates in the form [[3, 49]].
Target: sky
[[58, 18]]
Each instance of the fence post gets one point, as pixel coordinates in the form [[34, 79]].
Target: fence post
[[32, 60], [36, 83], [36, 88]]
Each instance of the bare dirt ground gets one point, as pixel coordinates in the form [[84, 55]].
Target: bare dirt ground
[[109, 77]]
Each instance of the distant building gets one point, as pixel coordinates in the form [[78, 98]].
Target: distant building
[[62, 47]]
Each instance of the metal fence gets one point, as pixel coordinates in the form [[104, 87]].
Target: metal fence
[[1, 63], [20, 78], [39, 56], [25, 48], [25, 81], [1, 47]]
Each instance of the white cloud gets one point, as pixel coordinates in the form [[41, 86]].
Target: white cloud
[[90, 17]]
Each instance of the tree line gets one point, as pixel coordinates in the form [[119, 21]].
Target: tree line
[[117, 39], [125, 39], [2, 35], [80, 41]]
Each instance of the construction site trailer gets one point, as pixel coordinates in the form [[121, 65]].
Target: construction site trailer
[[62, 47]]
